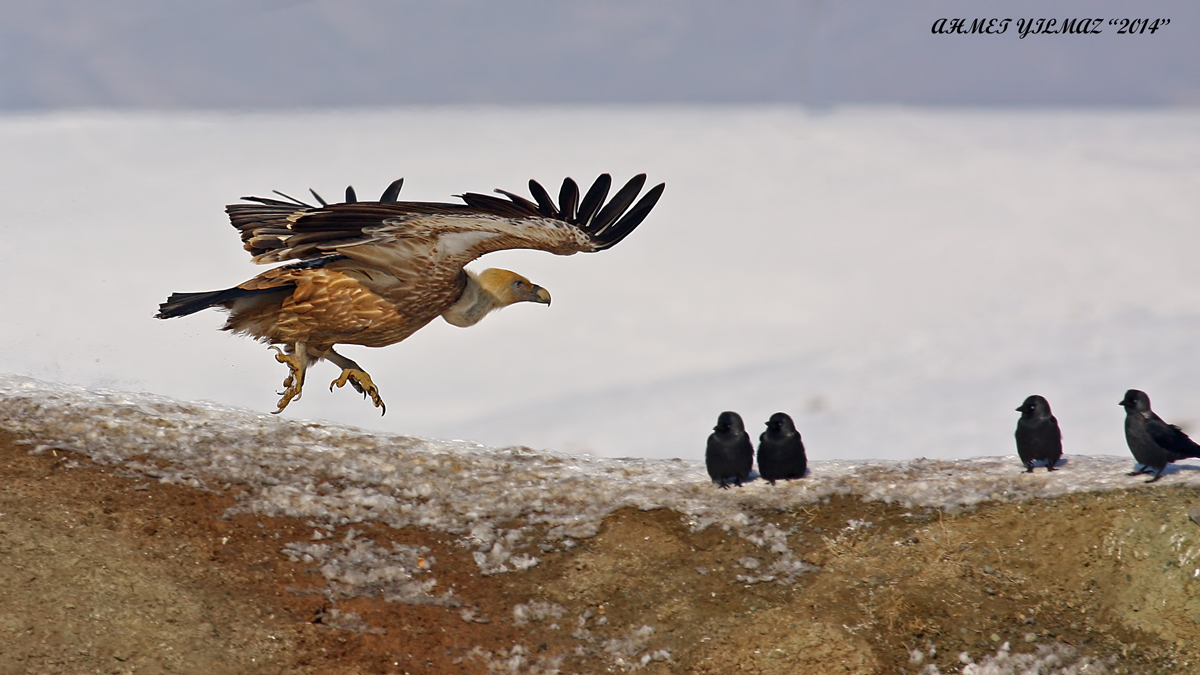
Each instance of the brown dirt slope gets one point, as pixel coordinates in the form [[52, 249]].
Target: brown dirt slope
[[108, 573]]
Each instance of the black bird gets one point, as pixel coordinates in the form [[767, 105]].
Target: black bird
[[1038, 437], [730, 453], [1153, 442], [780, 450]]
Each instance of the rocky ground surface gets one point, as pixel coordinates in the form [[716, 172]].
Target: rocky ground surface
[[105, 571]]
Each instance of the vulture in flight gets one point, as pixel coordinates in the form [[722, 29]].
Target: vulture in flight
[[374, 273]]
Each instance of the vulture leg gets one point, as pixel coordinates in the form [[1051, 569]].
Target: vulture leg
[[357, 377], [297, 363]]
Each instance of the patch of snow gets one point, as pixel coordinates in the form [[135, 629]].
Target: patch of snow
[[629, 651], [516, 660], [1052, 659], [355, 566], [535, 611]]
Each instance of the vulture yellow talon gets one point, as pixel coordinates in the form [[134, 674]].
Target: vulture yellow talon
[[362, 383], [294, 382]]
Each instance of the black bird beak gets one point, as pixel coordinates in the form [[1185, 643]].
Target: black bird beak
[[1020, 408]]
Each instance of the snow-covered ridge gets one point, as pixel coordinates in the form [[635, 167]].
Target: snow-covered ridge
[[508, 504], [340, 474]]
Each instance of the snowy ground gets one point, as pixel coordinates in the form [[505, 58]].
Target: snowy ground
[[898, 280], [509, 506], [339, 474]]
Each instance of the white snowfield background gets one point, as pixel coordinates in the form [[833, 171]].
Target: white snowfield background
[[898, 280]]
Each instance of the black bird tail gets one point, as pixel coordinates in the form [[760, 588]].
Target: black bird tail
[[182, 304]]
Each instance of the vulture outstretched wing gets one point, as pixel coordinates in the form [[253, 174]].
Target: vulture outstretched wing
[[387, 232]]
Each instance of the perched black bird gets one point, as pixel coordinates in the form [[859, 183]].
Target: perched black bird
[[730, 454], [1038, 437], [1153, 442], [780, 450]]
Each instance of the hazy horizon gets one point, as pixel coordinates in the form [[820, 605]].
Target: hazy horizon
[[281, 55]]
